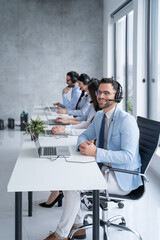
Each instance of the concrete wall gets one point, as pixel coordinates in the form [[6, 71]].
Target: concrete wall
[[41, 40]]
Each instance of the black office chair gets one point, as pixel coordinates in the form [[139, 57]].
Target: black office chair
[[149, 137]]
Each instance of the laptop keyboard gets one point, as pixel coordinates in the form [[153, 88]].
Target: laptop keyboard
[[51, 121], [49, 132], [52, 108], [50, 151]]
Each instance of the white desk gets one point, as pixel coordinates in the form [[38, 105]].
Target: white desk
[[39, 111], [36, 174]]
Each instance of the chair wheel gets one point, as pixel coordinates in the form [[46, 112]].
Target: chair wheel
[[122, 224], [105, 236], [87, 203], [121, 205], [85, 222]]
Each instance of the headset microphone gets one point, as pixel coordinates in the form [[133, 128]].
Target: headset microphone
[[115, 100]]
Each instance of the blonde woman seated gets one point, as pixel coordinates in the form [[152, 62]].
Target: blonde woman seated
[[77, 129]]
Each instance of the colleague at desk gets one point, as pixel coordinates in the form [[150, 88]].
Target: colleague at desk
[[117, 144], [83, 102], [71, 81], [89, 113], [57, 196], [77, 129]]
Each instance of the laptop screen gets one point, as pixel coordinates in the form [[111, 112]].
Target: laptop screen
[[37, 144], [36, 141]]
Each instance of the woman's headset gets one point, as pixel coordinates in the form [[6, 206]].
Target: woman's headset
[[84, 78], [95, 81]]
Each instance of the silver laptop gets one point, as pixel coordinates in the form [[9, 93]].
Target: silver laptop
[[52, 121], [50, 151], [51, 109], [49, 133], [46, 106], [42, 103]]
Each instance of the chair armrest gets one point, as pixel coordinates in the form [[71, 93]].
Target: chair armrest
[[128, 172]]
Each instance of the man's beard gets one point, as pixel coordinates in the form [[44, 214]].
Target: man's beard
[[106, 105]]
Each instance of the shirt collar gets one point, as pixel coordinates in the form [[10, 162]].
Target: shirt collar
[[74, 88], [110, 113]]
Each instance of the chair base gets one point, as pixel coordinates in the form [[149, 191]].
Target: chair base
[[105, 225]]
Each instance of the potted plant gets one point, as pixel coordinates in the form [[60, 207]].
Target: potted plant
[[129, 107], [35, 127]]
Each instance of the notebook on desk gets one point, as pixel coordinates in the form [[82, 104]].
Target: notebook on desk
[[51, 151]]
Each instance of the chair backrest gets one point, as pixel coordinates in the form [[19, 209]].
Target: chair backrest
[[149, 135]]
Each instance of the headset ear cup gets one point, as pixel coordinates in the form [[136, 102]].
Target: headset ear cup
[[73, 79], [118, 95]]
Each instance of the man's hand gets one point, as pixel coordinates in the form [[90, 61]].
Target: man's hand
[[58, 129], [62, 111], [65, 90], [57, 104], [88, 148]]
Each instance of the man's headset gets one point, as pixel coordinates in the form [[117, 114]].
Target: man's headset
[[119, 93], [73, 77]]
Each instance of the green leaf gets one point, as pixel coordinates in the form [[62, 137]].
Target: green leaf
[[35, 126]]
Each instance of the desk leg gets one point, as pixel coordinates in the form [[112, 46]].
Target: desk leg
[[18, 216], [96, 215], [30, 196]]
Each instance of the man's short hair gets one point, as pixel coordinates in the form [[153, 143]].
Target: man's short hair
[[114, 83], [74, 76], [116, 86]]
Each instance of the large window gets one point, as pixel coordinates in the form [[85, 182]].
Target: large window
[[129, 89], [124, 54], [158, 73], [144, 21], [120, 57], [154, 60]]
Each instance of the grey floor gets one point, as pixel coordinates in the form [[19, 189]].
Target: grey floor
[[142, 215]]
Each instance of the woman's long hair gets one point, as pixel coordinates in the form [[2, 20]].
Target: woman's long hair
[[93, 85]]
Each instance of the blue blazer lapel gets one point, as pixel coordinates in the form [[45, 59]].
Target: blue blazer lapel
[[110, 131], [112, 124]]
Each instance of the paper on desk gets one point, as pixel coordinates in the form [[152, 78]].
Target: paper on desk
[[78, 157]]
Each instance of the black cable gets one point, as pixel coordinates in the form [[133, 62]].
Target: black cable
[[62, 156]]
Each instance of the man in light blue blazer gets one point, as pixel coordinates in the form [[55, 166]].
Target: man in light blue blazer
[[117, 144], [121, 148]]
